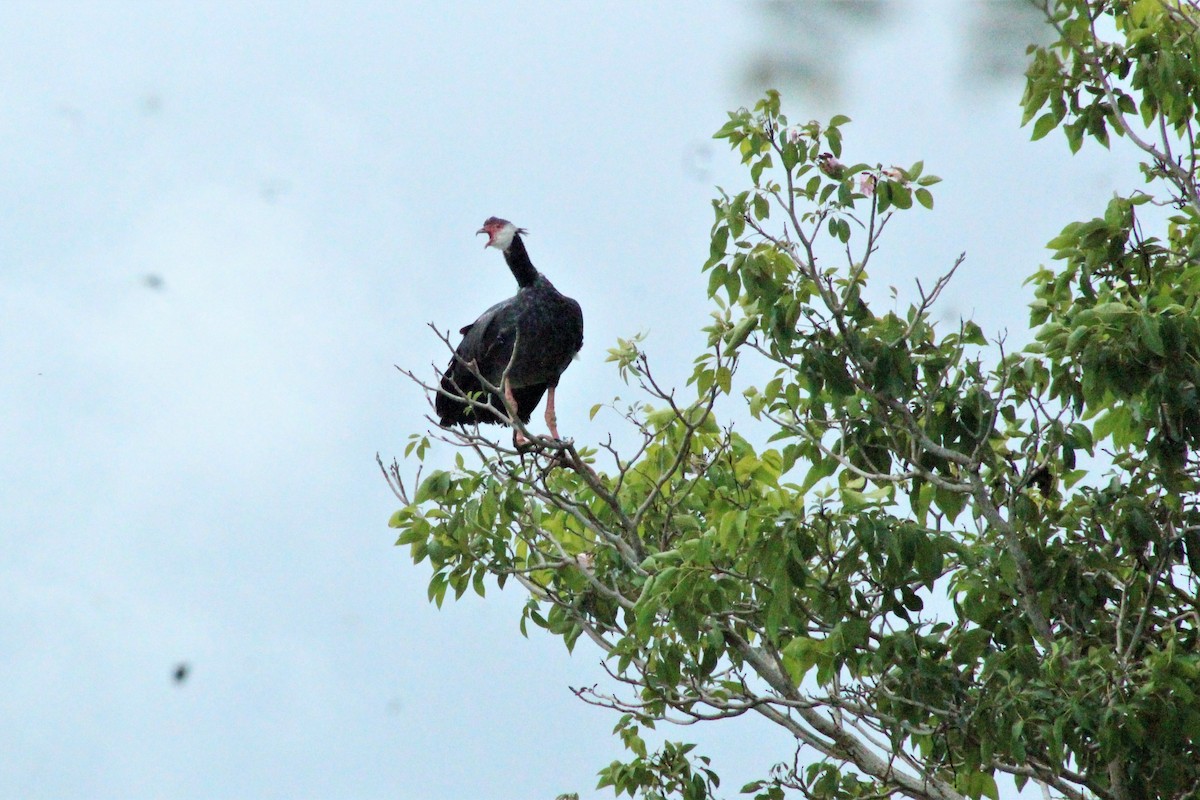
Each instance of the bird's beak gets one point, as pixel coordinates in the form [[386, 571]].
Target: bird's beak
[[489, 241]]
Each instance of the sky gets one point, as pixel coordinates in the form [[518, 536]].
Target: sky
[[225, 223]]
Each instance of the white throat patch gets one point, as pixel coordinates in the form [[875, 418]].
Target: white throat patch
[[504, 237]]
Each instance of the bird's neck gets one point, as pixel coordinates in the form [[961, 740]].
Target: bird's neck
[[518, 261]]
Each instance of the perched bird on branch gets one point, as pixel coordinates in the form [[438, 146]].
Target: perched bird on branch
[[522, 346]]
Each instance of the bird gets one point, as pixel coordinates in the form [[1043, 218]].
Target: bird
[[544, 326]]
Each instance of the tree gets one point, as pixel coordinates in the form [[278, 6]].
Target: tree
[[945, 563]]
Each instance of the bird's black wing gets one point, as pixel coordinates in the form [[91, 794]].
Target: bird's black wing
[[487, 343], [577, 314], [489, 340]]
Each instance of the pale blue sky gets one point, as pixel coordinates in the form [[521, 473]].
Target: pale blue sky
[[188, 469]]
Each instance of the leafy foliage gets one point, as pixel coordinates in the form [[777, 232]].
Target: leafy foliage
[[949, 563]]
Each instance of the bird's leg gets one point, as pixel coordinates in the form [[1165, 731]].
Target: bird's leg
[[510, 403], [551, 417]]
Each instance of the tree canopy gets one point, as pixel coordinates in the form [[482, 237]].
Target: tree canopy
[[940, 563]]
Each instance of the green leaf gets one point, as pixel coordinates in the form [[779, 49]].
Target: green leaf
[[762, 209], [434, 485], [740, 332], [949, 502], [724, 379], [1045, 124], [718, 245], [833, 138], [717, 278], [1150, 335], [883, 195], [799, 656]]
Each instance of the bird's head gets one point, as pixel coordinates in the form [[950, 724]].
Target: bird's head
[[500, 232]]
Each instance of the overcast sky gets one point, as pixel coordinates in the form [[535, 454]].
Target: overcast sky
[[224, 222]]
